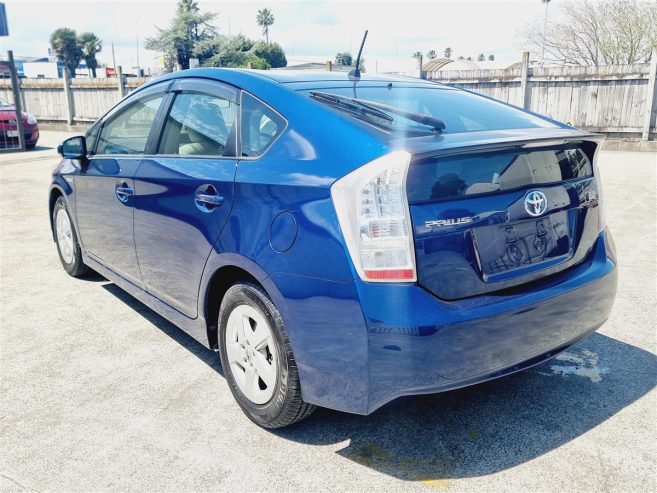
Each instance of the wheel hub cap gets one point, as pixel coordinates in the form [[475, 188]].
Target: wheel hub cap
[[64, 235], [252, 355]]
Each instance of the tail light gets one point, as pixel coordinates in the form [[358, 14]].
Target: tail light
[[374, 218], [602, 217]]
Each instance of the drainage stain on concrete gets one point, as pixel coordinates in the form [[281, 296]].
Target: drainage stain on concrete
[[584, 365], [428, 471]]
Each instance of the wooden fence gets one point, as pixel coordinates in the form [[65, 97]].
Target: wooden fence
[[70, 101], [618, 100]]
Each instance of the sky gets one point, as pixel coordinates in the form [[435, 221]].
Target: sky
[[307, 30]]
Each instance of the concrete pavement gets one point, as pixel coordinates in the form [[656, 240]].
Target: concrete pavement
[[100, 393]]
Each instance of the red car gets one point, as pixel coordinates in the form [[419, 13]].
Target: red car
[[9, 129]]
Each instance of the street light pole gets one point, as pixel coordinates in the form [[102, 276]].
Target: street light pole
[[547, 3]]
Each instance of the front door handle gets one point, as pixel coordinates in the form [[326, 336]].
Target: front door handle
[[207, 198], [123, 192]]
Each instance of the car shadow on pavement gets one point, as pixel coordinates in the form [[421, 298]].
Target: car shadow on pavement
[[208, 356], [477, 430], [493, 426]]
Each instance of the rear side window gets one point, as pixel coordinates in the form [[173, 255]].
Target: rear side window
[[465, 175], [198, 124], [260, 126], [127, 132]]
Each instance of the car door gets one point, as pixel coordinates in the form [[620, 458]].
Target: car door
[[105, 188], [184, 193]]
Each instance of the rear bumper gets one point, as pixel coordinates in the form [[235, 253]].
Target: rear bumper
[[360, 345]]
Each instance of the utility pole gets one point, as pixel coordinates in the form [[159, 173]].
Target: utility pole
[[547, 3], [17, 100], [113, 59], [138, 19], [137, 53]]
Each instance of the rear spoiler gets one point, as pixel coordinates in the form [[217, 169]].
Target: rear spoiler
[[466, 142]]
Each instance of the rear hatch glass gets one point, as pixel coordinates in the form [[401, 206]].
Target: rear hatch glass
[[492, 220], [461, 111]]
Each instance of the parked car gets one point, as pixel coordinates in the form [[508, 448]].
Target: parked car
[[9, 128], [341, 241]]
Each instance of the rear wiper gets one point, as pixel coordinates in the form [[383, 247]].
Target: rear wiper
[[378, 109], [351, 105], [428, 120]]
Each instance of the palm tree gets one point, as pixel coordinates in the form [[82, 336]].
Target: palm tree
[[265, 19], [90, 45], [448, 52], [417, 55], [431, 54], [64, 43]]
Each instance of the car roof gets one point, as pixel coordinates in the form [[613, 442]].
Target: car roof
[[296, 76], [299, 79]]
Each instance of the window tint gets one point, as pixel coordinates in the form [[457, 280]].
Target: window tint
[[460, 111], [91, 136], [198, 124], [260, 126], [459, 176], [127, 132]]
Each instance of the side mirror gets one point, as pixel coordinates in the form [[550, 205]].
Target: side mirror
[[73, 148]]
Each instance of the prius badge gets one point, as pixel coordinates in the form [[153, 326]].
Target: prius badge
[[447, 222]]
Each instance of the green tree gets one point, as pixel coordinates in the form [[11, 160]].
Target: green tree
[[265, 19], [90, 44], [491, 58], [431, 54], [481, 57], [448, 52], [64, 43], [272, 53], [230, 51], [417, 55], [343, 58], [189, 28]]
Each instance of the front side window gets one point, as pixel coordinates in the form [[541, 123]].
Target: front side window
[[260, 126], [127, 132], [198, 124]]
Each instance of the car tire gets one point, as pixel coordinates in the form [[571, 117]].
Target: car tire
[[269, 402], [68, 246]]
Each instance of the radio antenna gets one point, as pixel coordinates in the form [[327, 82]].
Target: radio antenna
[[355, 72]]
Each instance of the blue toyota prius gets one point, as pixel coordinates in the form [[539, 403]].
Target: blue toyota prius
[[341, 241]]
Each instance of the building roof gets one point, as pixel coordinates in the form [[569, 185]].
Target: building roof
[[438, 64]]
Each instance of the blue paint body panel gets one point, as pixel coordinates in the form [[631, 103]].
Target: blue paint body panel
[[358, 345]]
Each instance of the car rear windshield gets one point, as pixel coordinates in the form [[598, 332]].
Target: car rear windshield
[[460, 111], [443, 178]]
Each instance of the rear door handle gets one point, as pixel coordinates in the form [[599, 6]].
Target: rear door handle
[[123, 192], [207, 198], [204, 198]]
